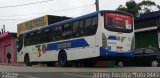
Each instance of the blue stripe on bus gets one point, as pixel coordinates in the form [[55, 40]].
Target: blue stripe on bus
[[67, 44], [104, 52], [112, 38]]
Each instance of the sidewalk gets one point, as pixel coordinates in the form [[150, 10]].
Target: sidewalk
[[15, 64], [21, 64]]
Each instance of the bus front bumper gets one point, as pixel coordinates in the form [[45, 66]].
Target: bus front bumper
[[105, 52]]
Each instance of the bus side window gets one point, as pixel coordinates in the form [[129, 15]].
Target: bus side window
[[94, 25], [58, 33], [43, 36], [32, 38], [70, 30], [19, 43], [47, 35], [81, 28], [67, 31], [88, 26], [75, 29], [53, 31], [38, 37], [26, 40]]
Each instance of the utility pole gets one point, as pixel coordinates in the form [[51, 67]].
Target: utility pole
[[4, 28], [97, 5]]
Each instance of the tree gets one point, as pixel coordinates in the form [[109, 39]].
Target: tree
[[147, 6], [138, 8], [130, 7]]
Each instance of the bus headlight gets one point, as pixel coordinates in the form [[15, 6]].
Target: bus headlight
[[104, 40]]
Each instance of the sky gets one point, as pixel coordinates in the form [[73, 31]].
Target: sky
[[13, 12]]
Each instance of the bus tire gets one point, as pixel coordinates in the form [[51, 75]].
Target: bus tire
[[155, 63], [120, 63], [50, 64], [27, 60], [62, 59]]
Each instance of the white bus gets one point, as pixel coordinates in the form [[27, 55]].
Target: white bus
[[99, 34]]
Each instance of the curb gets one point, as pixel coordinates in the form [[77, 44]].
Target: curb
[[20, 64], [16, 64]]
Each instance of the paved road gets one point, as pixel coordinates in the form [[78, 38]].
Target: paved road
[[76, 69], [65, 72]]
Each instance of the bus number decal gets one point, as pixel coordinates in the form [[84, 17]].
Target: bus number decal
[[64, 45], [119, 38]]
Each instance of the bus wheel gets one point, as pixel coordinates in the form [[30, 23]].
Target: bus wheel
[[120, 63], [155, 63], [50, 64], [62, 59], [27, 60]]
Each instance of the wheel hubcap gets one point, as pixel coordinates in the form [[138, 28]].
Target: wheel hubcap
[[120, 64], [62, 60], [154, 63]]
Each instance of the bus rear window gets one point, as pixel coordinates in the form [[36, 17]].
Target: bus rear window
[[118, 22]]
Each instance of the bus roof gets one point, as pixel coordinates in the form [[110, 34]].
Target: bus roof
[[71, 20]]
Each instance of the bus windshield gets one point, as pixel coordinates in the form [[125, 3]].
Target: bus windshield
[[118, 22]]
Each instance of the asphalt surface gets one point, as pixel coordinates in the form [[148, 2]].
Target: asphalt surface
[[73, 72]]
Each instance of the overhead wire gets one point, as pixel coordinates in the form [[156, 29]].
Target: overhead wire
[[50, 11], [25, 4], [11, 19], [19, 5], [43, 13]]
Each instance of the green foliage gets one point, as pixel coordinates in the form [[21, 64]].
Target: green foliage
[[138, 8], [147, 6]]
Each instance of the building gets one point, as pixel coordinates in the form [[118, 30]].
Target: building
[[8, 44], [39, 22], [146, 33]]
